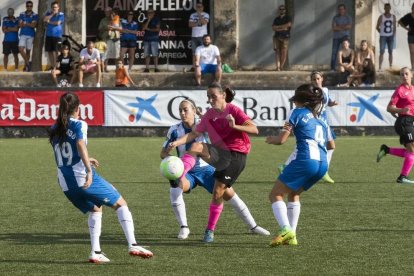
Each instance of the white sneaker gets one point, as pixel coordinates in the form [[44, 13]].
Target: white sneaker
[[139, 251], [80, 84], [58, 85], [68, 85], [98, 258], [98, 85], [260, 231], [183, 234]]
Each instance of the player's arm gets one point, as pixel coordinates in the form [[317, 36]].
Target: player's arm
[[394, 22], [189, 137], [393, 109], [248, 126], [379, 23], [83, 152], [282, 137]]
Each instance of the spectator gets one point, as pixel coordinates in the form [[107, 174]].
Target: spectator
[[345, 58], [363, 78], [89, 62], [207, 60], [407, 22], [364, 51], [11, 39], [122, 78], [129, 38], [386, 26], [63, 66], [151, 37], [198, 23], [27, 23], [110, 36], [100, 44], [341, 27], [281, 26], [54, 31]]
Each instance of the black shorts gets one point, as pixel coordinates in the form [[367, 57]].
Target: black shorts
[[10, 47], [404, 126], [52, 44], [228, 164], [129, 44]]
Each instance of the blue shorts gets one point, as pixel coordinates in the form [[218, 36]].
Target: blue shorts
[[303, 173], [208, 68], [150, 48], [386, 41], [202, 176], [128, 44], [99, 193]]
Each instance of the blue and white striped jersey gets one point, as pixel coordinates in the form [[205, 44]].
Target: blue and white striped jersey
[[310, 133], [71, 170]]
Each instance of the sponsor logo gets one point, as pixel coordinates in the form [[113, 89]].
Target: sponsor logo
[[141, 106], [363, 105]]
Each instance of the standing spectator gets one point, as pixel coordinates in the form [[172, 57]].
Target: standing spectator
[[129, 38], [281, 26], [365, 51], [89, 62], [407, 22], [27, 22], [346, 58], [63, 66], [151, 37], [386, 26], [54, 31], [122, 78], [102, 47], [11, 39], [207, 60], [198, 23], [341, 27], [110, 36]]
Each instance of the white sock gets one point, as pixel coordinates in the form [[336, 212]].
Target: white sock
[[127, 223], [329, 156], [242, 211], [95, 228], [280, 213], [293, 212], [178, 205]]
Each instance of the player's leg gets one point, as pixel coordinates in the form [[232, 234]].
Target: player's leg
[[293, 212], [407, 164], [189, 158], [241, 210], [95, 229], [216, 207], [178, 205], [330, 146]]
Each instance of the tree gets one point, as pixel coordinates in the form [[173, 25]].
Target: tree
[[39, 37]]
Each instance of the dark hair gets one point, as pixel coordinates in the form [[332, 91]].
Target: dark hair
[[316, 72], [341, 6], [206, 35], [29, 2], [387, 5], [68, 103], [54, 3], [230, 93], [310, 96]]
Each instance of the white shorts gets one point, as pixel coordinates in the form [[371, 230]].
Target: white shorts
[[26, 42], [113, 49]]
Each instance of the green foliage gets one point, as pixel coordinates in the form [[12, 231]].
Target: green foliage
[[362, 224]]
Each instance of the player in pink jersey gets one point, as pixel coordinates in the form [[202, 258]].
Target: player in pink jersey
[[401, 106], [227, 126]]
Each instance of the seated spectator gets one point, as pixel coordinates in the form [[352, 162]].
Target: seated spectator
[[122, 78], [364, 51], [363, 78], [151, 37], [100, 44], [63, 66], [345, 58], [10, 29], [89, 62], [207, 60]]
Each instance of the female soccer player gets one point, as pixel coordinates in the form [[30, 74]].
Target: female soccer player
[[201, 174], [309, 165], [402, 105], [81, 184], [227, 127]]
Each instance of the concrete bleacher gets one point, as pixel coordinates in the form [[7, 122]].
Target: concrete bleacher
[[183, 80]]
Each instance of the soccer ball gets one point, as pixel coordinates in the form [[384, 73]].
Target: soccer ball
[[171, 167], [63, 83]]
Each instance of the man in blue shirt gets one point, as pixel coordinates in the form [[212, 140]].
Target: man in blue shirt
[[341, 27], [151, 37], [11, 38], [27, 23], [54, 20]]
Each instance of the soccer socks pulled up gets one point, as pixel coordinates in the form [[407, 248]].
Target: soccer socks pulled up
[[400, 152], [280, 212], [178, 205], [95, 228], [241, 209], [293, 212], [214, 215], [408, 163], [329, 156], [127, 223], [189, 162]]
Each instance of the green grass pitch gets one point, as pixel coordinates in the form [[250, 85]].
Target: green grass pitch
[[362, 224]]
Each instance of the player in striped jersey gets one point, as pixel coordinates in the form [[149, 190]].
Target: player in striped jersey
[[81, 184], [308, 166], [201, 174]]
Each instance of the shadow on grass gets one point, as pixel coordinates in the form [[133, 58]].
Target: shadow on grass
[[372, 230], [57, 262]]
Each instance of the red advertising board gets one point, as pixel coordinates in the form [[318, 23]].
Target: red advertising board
[[40, 108]]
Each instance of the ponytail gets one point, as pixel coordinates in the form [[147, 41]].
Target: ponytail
[[230, 93]]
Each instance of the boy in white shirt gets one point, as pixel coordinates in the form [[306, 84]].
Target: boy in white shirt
[[89, 61]]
